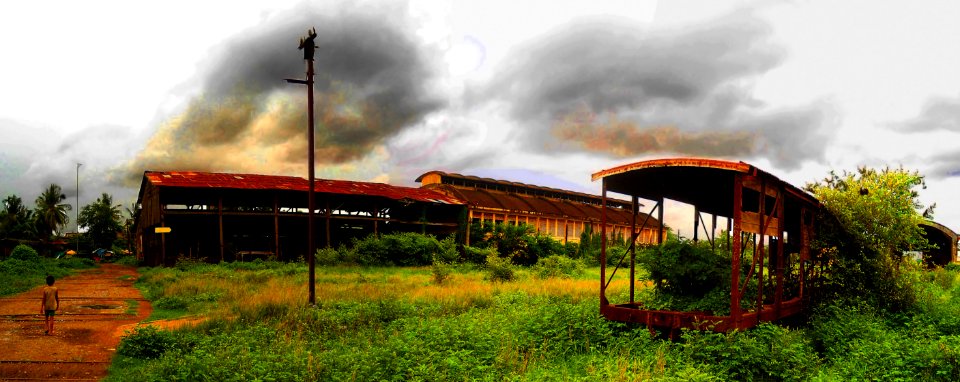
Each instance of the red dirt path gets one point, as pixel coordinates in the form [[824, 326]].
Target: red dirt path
[[95, 307]]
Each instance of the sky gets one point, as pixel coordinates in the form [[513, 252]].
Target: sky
[[540, 92]]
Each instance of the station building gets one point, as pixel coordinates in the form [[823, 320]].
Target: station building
[[228, 217]]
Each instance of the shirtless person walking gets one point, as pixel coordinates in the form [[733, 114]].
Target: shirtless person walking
[[50, 304]]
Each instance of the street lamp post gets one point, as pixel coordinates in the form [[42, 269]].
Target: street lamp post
[[308, 47], [78, 207]]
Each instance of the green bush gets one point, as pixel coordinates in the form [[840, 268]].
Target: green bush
[[685, 268], [476, 255], [146, 342], [405, 249], [128, 260], [499, 269], [558, 266], [440, 271], [24, 252], [327, 256], [765, 353]]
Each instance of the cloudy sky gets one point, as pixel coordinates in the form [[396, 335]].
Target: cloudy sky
[[542, 92]]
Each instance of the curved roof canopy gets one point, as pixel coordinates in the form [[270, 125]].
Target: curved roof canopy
[[705, 183]]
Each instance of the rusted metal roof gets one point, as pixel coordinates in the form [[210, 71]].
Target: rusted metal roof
[[536, 205], [706, 183], [675, 162], [192, 179], [520, 188], [942, 228]]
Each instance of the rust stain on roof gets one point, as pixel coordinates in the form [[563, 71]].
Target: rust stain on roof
[[191, 179]]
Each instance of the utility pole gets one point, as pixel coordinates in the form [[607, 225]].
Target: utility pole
[[78, 206], [308, 47]]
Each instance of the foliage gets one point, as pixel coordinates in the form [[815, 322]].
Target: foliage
[[146, 342], [478, 256], [51, 214], [880, 209], [499, 269], [520, 243], [403, 326], [440, 271], [25, 269], [558, 266], [25, 253], [16, 220], [856, 270], [685, 268], [129, 234], [591, 244], [327, 256], [767, 352], [103, 221], [403, 249]]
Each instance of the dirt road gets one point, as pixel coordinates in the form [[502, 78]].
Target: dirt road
[[95, 306]]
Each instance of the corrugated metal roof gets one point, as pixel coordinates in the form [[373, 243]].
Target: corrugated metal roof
[[522, 188], [192, 179], [521, 203]]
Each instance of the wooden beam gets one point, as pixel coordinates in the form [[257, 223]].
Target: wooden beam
[[220, 223]]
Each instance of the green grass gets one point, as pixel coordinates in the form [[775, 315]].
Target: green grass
[[132, 306], [391, 323], [18, 276]]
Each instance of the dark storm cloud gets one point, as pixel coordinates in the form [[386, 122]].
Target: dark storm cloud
[[938, 113], [609, 86], [371, 82], [945, 165]]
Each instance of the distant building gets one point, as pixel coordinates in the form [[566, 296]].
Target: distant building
[[562, 214], [227, 217], [944, 239]]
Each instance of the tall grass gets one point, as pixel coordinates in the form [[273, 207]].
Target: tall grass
[[399, 324], [25, 269]]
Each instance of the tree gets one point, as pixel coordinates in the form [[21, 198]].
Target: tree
[[16, 219], [870, 217], [102, 219], [879, 208], [129, 234], [51, 214]]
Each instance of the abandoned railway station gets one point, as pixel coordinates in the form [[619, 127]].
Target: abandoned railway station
[[228, 217]]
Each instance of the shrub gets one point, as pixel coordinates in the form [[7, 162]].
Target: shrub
[[440, 271], [499, 269], [327, 256], [448, 250], [128, 260], [478, 256], [407, 249], [558, 266], [24, 252], [146, 342], [685, 268]]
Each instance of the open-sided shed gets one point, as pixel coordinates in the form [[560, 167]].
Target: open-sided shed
[[218, 217], [945, 240], [773, 217]]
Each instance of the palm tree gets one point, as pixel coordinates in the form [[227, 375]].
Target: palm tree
[[102, 219], [51, 213], [15, 219]]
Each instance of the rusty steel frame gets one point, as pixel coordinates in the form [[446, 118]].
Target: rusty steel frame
[[766, 186]]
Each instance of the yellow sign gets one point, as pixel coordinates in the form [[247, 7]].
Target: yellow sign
[[161, 230]]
